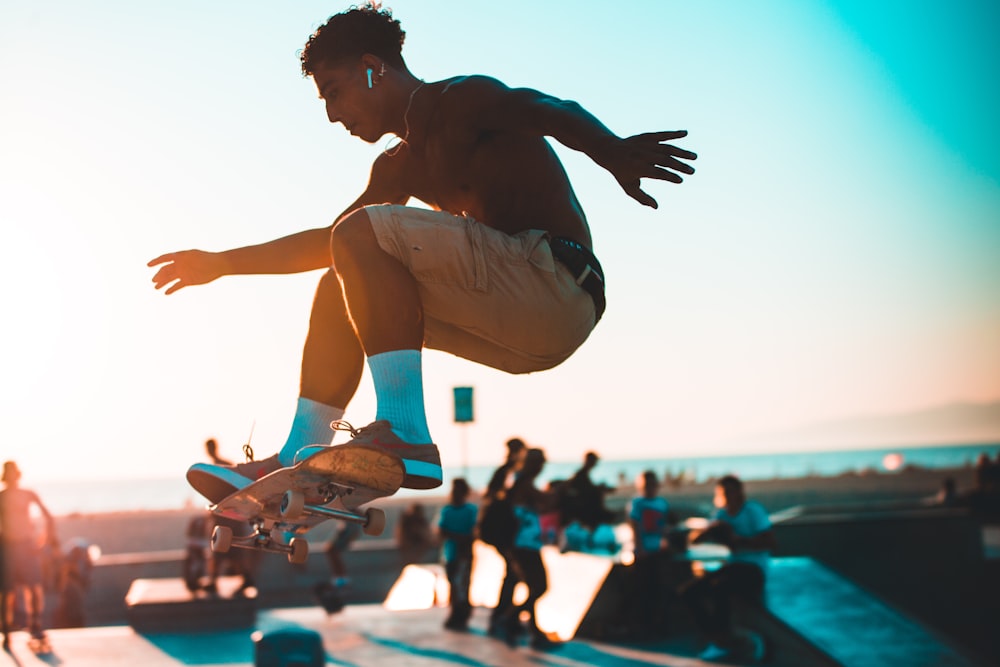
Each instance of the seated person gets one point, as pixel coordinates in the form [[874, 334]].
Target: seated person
[[743, 526]]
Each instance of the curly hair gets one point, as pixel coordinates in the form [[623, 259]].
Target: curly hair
[[353, 33]]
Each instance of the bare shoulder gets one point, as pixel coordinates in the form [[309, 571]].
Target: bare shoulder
[[462, 96], [482, 102], [470, 85]]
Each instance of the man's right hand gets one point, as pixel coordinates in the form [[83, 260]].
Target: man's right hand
[[187, 267], [645, 156]]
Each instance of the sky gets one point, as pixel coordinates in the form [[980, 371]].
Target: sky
[[836, 254]]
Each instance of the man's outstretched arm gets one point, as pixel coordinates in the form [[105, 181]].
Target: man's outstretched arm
[[303, 251], [629, 159], [296, 253]]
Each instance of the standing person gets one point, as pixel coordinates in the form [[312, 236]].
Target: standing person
[[582, 501], [414, 535], [504, 473], [329, 592], [241, 562], [648, 517], [456, 527], [347, 532], [529, 503], [195, 564], [237, 562], [497, 527], [22, 554], [744, 526], [500, 271], [74, 580]]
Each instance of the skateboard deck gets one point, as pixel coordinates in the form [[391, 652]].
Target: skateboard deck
[[286, 504]]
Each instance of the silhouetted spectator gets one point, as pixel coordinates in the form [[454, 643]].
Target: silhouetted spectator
[[581, 506], [235, 562], [195, 565], [212, 449], [347, 532], [74, 580], [414, 536], [496, 492], [22, 555], [648, 516], [502, 476], [456, 527], [947, 495], [529, 503]]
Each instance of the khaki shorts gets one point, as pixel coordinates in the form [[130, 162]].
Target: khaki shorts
[[496, 299]]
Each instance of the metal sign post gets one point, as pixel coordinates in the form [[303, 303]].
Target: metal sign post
[[464, 414]]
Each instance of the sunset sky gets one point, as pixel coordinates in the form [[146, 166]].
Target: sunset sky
[[836, 254]]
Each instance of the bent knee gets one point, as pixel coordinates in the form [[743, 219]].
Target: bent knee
[[352, 231]]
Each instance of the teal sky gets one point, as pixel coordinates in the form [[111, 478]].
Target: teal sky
[[837, 253]]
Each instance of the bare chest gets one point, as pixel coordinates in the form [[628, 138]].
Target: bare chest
[[451, 170]]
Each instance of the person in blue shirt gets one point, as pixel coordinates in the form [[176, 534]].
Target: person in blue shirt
[[648, 515], [456, 526], [743, 526]]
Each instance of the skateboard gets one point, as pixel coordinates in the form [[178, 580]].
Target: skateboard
[[284, 505]]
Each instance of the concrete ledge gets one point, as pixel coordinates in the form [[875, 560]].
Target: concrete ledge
[[849, 624], [166, 605], [811, 616]]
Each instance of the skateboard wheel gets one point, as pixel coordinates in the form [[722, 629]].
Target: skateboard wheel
[[292, 503], [374, 521], [300, 551], [222, 539]]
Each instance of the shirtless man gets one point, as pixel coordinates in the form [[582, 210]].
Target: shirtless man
[[500, 272], [21, 557]]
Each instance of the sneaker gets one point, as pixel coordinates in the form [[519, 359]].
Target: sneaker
[[513, 630], [423, 462], [456, 625], [216, 482], [712, 653]]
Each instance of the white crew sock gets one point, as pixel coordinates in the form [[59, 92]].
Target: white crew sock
[[399, 392], [311, 426]]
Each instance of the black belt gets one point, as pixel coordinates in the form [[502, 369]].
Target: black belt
[[584, 267]]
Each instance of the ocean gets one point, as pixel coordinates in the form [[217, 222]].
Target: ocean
[[88, 496]]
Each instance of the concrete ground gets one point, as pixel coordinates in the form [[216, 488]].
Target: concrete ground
[[360, 636]]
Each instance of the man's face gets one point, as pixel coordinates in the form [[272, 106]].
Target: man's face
[[731, 498], [349, 101]]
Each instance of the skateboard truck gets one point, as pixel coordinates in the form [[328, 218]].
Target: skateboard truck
[[293, 506]]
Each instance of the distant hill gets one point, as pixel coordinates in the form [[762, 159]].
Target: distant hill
[[956, 423]]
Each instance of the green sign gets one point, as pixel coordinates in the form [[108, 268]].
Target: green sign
[[463, 404]]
